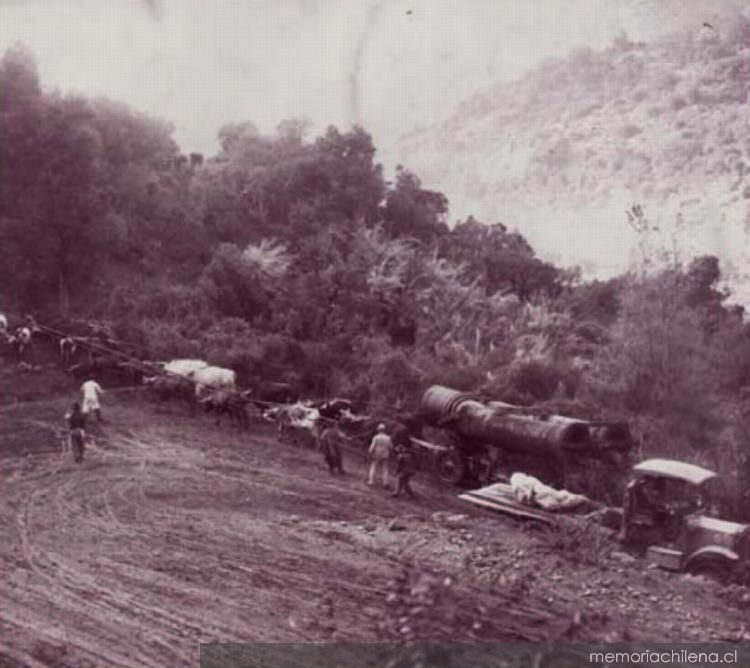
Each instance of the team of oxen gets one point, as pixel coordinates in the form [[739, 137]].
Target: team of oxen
[[193, 382], [198, 384]]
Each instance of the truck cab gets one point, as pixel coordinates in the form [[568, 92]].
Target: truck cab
[[671, 512]]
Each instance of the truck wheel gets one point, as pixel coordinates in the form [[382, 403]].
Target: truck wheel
[[715, 569], [451, 467]]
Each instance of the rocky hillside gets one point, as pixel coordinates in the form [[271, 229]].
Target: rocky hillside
[[564, 151]]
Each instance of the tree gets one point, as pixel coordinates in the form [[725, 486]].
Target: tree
[[90, 180], [660, 366], [70, 206], [21, 114], [241, 282], [502, 260], [235, 137], [50, 201], [355, 181], [412, 212], [292, 131]]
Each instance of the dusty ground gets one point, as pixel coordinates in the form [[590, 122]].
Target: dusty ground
[[173, 533]]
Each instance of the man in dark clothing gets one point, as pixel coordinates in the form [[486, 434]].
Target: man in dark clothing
[[77, 430], [330, 445], [406, 467], [401, 435], [644, 505]]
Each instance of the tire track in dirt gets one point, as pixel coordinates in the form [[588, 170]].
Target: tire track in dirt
[[172, 533], [105, 588], [268, 583], [102, 503], [57, 574], [68, 595]]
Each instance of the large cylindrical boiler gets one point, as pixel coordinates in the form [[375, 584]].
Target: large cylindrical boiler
[[464, 414]]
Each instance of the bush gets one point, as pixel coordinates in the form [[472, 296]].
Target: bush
[[234, 284], [540, 381], [166, 340], [397, 382], [581, 543], [458, 376], [669, 366], [316, 367], [234, 344]]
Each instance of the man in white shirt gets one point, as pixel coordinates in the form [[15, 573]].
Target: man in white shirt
[[92, 392], [380, 452]]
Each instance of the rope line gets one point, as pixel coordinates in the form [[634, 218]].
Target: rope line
[[148, 366], [145, 365]]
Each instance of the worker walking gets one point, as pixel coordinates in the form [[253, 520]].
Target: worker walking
[[330, 446], [23, 342], [380, 452], [76, 431], [92, 392], [406, 467]]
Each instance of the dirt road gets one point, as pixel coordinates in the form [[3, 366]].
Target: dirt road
[[174, 533]]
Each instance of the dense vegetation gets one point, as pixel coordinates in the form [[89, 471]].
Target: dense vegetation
[[294, 259]]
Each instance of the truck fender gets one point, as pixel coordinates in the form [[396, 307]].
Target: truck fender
[[714, 553]]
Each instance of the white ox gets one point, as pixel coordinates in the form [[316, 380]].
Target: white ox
[[297, 422], [213, 377], [184, 367]]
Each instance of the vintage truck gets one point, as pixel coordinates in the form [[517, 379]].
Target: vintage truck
[[671, 510], [670, 515]]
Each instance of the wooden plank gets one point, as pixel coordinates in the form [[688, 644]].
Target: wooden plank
[[503, 505], [507, 509]]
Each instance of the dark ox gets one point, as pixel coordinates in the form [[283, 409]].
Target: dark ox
[[269, 393], [68, 349], [231, 403]]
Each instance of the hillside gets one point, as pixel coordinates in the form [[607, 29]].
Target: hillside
[[564, 151]]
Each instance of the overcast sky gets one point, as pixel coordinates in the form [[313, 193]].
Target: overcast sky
[[388, 65]]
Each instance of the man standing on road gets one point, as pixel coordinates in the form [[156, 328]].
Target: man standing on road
[[92, 392], [76, 430], [380, 452], [406, 467], [331, 447]]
